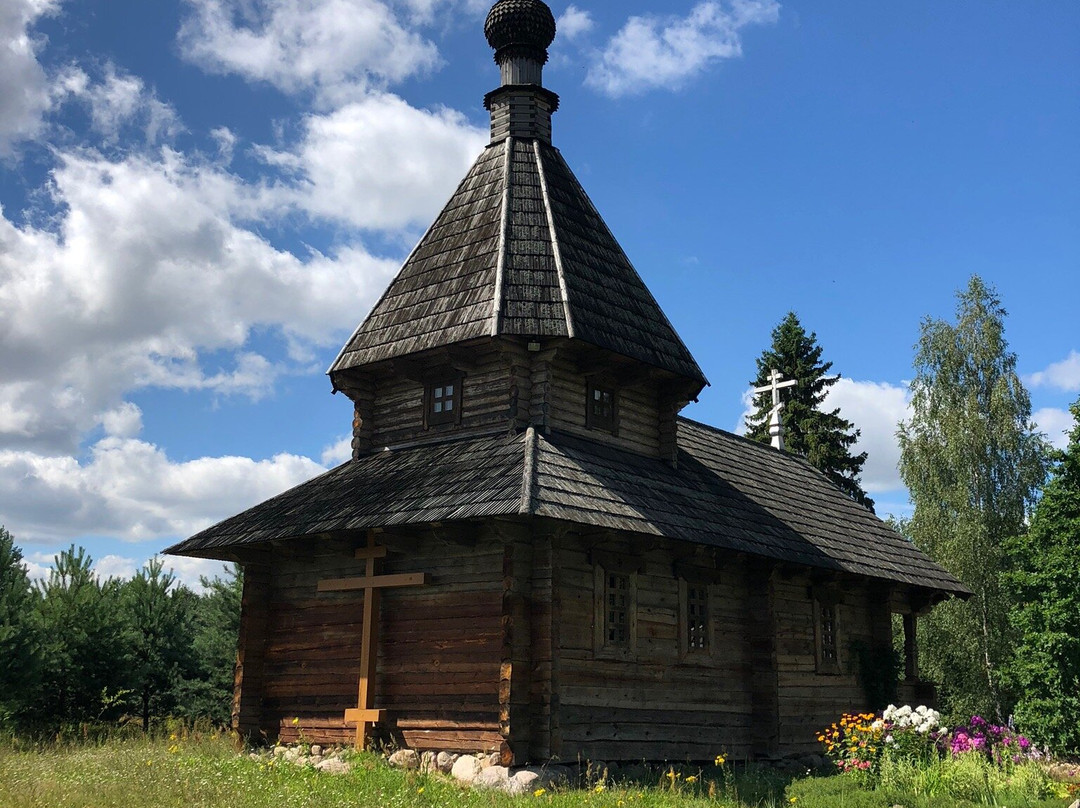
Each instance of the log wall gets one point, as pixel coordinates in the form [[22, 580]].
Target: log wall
[[440, 646], [655, 703]]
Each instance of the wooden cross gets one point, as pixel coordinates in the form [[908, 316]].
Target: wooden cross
[[371, 584], [776, 428]]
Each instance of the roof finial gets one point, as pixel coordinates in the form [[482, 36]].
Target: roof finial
[[776, 426], [520, 32]]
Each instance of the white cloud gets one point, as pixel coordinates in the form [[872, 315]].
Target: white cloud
[[146, 272], [1055, 423], [114, 566], [129, 489], [664, 52], [379, 162], [337, 48], [120, 99], [337, 452], [1063, 375], [876, 409], [24, 86], [573, 22]]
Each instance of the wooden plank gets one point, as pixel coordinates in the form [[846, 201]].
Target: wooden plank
[[370, 552], [374, 582], [356, 714]]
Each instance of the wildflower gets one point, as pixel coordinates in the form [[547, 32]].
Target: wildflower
[[540, 792], [296, 721], [720, 760], [599, 788], [420, 790], [691, 778], [793, 800]]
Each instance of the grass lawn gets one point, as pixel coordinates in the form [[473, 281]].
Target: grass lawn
[[202, 770]]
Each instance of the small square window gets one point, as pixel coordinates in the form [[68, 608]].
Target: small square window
[[442, 401], [600, 407], [617, 610]]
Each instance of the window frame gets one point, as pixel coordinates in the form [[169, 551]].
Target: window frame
[[824, 663], [686, 650], [439, 382], [603, 423], [602, 647]]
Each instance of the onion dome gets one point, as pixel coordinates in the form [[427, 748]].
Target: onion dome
[[520, 28]]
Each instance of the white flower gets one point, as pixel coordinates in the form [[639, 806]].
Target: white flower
[[888, 739]]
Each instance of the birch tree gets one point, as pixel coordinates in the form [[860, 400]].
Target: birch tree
[[973, 463]]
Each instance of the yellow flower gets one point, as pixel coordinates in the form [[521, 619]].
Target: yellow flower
[[296, 721], [540, 792], [691, 778], [792, 800], [720, 760], [420, 790], [599, 788]]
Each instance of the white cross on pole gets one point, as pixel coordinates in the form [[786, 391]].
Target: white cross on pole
[[776, 427]]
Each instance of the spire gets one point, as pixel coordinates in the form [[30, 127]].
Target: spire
[[520, 32]]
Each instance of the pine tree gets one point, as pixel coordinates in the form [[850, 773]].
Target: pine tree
[[822, 437], [19, 633], [972, 463], [1044, 580]]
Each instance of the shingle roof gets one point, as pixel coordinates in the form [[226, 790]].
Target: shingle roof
[[519, 250], [726, 492]]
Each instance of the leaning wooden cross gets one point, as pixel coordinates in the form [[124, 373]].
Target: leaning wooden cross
[[371, 584], [776, 426]]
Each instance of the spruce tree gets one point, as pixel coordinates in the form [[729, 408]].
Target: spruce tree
[[821, 436], [972, 463], [1044, 581]]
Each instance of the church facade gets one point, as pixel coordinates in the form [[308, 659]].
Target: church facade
[[531, 551]]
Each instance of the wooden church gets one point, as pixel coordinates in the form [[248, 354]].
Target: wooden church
[[531, 551]]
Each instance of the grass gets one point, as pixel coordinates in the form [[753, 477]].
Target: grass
[[201, 770]]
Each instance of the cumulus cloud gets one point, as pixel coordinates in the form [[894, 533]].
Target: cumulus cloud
[[379, 162], [337, 452], [573, 23], [651, 52], [25, 93], [876, 409], [334, 48], [147, 271], [117, 101], [129, 489], [1055, 423], [1063, 375]]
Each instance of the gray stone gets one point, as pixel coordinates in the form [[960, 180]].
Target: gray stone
[[279, 751], [489, 760], [524, 781], [465, 769], [493, 777], [333, 765], [292, 754], [405, 759], [1076, 804], [427, 762], [444, 762], [316, 750]]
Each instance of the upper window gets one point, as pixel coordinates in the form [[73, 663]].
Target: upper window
[[600, 409], [442, 403]]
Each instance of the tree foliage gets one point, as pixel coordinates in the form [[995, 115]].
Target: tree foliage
[[822, 436], [20, 636], [972, 463], [85, 656], [159, 619], [1044, 580]]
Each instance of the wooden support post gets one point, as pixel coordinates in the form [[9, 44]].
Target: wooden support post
[[371, 584]]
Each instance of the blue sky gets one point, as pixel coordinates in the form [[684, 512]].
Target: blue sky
[[201, 199]]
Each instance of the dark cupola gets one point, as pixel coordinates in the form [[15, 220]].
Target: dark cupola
[[520, 32]]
